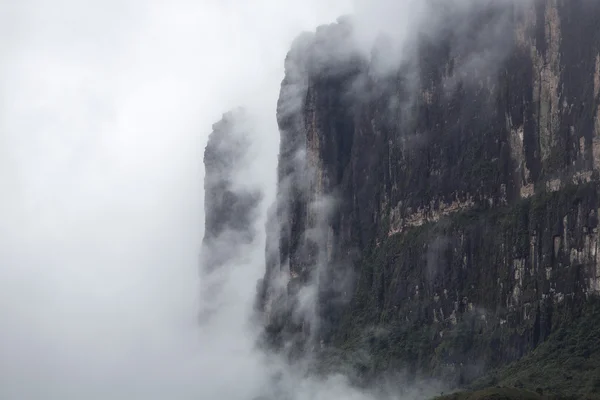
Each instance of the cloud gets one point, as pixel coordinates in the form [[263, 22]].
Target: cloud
[[381, 41], [105, 108]]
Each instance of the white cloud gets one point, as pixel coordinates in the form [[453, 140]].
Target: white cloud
[[105, 108]]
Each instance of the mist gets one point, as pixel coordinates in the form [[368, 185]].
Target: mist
[[105, 109]]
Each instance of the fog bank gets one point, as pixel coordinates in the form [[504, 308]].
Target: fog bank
[[105, 109]]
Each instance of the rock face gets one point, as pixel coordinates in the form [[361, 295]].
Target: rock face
[[230, 209], [443, 216]]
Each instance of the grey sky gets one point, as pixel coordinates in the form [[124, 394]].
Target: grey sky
[[105, 107]]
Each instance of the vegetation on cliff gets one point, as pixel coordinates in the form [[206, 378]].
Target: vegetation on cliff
[[461, 190]]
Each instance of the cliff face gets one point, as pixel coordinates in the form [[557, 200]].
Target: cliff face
[[442, 216], [229, 207]]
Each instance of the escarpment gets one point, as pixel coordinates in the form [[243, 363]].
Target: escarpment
[[443, 216], [305, 235], [230, 206]]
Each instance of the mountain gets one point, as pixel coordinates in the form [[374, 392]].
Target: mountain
[[230, 207], [441, 216]]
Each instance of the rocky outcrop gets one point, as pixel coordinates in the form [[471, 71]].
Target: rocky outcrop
[[230, 207], [443, 216], [304, 245]]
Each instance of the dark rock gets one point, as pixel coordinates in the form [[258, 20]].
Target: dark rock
[[230, 208], [441, 218]]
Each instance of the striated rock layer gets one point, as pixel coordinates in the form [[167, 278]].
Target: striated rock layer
[[442, 216]]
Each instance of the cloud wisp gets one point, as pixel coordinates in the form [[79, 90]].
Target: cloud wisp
[[105, 110]]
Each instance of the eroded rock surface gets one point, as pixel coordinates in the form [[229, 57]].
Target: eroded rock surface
[[442, 217], [230, 206]]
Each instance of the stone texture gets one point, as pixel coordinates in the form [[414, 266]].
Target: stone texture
[[230, 208], [458, 217]]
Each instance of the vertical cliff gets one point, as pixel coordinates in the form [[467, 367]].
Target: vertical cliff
[[305, 250], [443, 216], [230, 208]]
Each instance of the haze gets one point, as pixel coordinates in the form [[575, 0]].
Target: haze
[[105, 108]]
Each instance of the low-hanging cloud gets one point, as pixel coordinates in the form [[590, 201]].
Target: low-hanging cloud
[[105, 109], [382, 40]]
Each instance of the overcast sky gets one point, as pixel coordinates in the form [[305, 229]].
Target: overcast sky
[[105, 108]]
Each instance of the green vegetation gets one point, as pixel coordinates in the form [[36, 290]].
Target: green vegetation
[[390, 326], [495, 394], [567, 364]]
